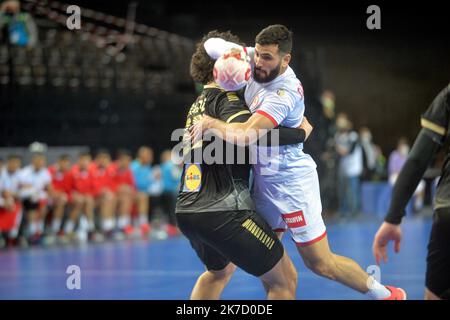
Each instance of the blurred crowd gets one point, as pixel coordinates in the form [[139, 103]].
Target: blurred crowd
[[91, 200], [350, 157]]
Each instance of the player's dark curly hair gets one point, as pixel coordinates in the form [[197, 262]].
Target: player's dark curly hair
[[201, 64], [276, 34]]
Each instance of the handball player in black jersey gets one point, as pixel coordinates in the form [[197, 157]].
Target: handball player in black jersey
[[434, 135], [214, 209]]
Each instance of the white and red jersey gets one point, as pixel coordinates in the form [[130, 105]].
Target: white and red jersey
[[9, 181], [282, 102], [286, 186], [33, 183], [281, 99]]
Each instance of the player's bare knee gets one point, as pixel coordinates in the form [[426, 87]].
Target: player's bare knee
[[88, 200], [223, 274], [429, 295], [278, 278], [77, 200], [220, 275], [61, 200]]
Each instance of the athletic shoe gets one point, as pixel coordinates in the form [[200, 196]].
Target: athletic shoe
[[396, 293]]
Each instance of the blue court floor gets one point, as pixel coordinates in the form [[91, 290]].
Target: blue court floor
[[168, 269]]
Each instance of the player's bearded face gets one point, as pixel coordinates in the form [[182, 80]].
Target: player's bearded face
[[262, 75]]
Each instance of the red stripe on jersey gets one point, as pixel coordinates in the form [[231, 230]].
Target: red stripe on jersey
[[268, 116]]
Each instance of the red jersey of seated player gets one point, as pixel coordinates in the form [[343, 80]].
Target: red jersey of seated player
[[83, 181], [104, 179], [123, 177], [61, 181], [10, 219]]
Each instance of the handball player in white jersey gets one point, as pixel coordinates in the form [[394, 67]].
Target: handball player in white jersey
[[286, 186]]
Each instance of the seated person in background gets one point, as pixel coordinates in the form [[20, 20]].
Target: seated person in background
[[10, 207], [103, 173], [61, 192], [125, 191], [34, 187], [171, 175], [142, 173], [83, 202], [369, 154]]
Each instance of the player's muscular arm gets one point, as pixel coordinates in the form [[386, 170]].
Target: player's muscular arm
[[215, 47], [285, 135], [244, 133]]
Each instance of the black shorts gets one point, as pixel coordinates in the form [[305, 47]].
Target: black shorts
[[240, 237], [28, 204], [438, 259]]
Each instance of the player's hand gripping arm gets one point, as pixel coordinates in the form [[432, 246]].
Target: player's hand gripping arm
[[292, 135]]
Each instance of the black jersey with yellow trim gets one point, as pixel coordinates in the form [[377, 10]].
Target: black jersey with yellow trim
[[436, 121], [216, 186], [437, 117]]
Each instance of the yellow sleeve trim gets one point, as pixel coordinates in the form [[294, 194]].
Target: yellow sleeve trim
[[232, 96], [212, 86], [427, 124], [237, 115]]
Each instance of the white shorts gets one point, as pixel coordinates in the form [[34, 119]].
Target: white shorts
[[292, 203]]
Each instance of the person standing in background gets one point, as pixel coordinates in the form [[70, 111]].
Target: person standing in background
[[350, 166], [397, 160]]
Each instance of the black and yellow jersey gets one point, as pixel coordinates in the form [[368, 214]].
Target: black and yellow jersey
[[437, 120], [217, 186]]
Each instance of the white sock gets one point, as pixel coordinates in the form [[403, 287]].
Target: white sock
[[34, 227], [108, 224], [13, 233], [82, 235], [68, 228], [376, 290], [15, 230], [56, 224], [123, 221], [40, 226], [84, 224], [91, 225], [143, 219]]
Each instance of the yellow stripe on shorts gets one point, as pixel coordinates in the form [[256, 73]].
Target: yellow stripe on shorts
[[258, 233]]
